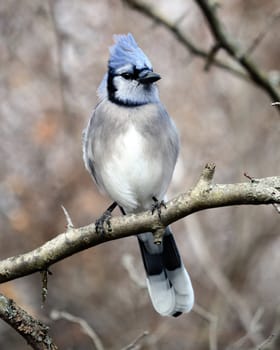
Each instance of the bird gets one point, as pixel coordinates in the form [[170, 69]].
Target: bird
[[130, 148]]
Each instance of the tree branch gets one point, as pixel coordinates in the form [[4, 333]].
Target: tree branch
[[204, 195], [226, 42], [32, 330]]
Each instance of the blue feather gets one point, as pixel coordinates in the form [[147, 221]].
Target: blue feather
[[126, 51]]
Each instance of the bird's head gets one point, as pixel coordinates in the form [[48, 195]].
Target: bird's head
[[130, 78]]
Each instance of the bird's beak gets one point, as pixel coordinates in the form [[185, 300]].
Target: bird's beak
[[148, 77]]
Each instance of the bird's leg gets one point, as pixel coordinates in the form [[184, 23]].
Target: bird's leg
[[157, 206], [159, 232], [105, 219], [122, 210]]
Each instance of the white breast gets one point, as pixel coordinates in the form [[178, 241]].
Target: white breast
[[132, 176]]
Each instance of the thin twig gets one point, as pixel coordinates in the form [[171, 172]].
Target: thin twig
[[132, 345], [213, 325], [254, 328], [58, 45], [68, 218], [261, 35], [56, 315], [44, 291], [266, 342]]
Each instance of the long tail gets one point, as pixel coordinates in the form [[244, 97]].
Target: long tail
[[169, 284]]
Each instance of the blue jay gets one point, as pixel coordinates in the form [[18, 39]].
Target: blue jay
[[130, 148]]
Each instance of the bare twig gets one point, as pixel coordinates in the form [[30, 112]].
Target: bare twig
[[203, 196], [226, 42], [44, 291], [134, 344], [251, 178], [32, 330], [56, 315], [68, 218], [254, 328], [58, 44], [266, 342], [260, 36], [213, 325]]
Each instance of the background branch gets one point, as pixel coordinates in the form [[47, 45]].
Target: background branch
[[226, 42], [57, 315], [32, 330]]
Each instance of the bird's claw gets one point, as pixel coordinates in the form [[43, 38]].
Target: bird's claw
[[157, 206], [105, 219]]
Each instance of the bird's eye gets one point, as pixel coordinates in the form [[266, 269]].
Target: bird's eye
[[127, 76]]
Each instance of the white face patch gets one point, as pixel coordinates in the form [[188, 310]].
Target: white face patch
[[133, 92]]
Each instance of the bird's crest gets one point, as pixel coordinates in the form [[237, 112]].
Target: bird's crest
[[126, 51]]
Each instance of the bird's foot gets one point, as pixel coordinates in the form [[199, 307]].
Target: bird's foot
[[105, 220], [157, 206]]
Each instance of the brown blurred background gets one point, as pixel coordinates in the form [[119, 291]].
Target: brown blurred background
[[53, 55]]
